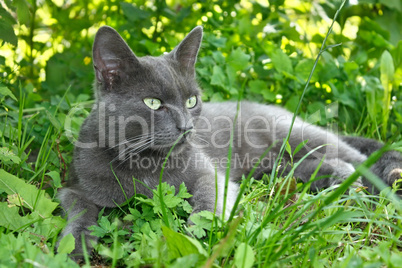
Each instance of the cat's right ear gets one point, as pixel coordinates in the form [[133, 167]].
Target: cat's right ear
[[112, 57]]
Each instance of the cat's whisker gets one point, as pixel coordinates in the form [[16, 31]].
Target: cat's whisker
[[141, 148], [133, 147], [134, 139], [139, 139], [198, 138], [135, 151]]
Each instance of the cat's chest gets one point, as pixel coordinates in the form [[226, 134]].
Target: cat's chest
[[147, 171]]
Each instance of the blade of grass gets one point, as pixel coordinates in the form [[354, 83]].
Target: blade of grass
[[322, 49], [163, 206]]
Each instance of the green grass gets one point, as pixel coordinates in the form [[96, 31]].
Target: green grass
[[278, 223]]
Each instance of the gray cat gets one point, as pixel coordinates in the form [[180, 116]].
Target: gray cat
[[144, 105]]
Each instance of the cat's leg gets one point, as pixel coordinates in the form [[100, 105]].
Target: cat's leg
[[81, 213], [388, 167], [205, 198], [333, 172]]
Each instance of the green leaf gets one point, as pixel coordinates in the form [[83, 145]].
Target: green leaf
[[202, 221], [98, 231], [33, 222], [218, 77], [8, 157], [238, 59], [4, 91], [7, 16], [387, 68], [180, 245], [152, 47], [291, 103], [55, 177], [258, 86], [187, 207], [245, 25], [387, 78], [133, 13], [147, 213], [244, 256], [172, 201], [392, 4], [67, 244], [214, 40], [7, 32], [134, 215], [218, 57], [303, 69], [53, 120], [398, 54], [330, 70], [22, 11], [187, 261], [299, 147], [374, 38], [183, 191], [281, 61], [288, 149], [14, 200], [351, 68], [34, 199], [372, 84], [10, 218], [49, 227]]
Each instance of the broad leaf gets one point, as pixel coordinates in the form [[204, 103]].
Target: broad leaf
[[281, 61], [22, 11], [7, 156], [218, 77], [238, 59], [180, 245], [33, 198], [34, 223], [4, 91], [67, 244], [244, 256], [7, 32]]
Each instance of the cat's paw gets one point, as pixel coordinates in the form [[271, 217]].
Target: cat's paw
[[395, 179], [358, 183], [394, 175]]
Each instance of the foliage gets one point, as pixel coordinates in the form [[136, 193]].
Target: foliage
[[265, 45], [263, 50]]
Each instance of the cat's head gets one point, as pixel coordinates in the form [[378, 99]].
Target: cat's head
[[148, 102]]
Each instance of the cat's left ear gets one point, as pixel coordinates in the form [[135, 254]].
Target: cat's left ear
[[186, 52]]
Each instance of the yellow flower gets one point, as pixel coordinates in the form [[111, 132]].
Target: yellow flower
[[87, 60]]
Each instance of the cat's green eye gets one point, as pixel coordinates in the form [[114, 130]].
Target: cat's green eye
[[191, 102], [153, 103]]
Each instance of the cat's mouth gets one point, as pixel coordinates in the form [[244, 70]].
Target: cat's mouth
[[176, 145]]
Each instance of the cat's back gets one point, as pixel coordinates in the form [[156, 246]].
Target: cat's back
[[218, 115], [229, 108]]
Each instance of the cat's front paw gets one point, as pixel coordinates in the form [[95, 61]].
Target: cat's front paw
[[395, 177], [358, 183]]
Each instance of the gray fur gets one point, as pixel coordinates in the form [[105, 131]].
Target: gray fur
[[123, 134]]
